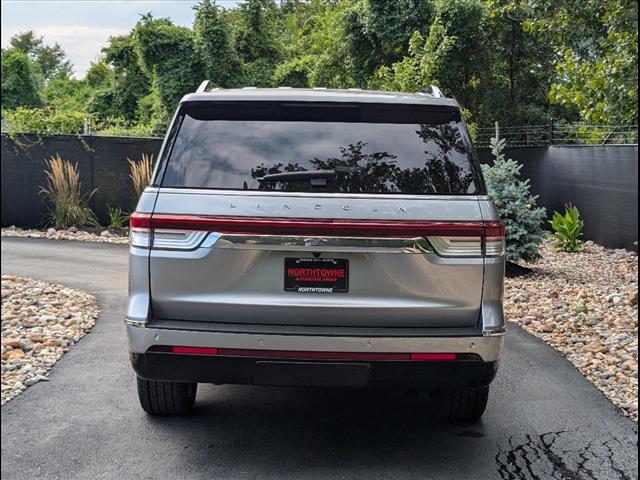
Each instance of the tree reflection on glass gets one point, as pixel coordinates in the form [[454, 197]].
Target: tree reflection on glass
[[446, 168]]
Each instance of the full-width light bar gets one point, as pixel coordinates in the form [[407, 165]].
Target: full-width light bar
[[310, 226], [449, 238]]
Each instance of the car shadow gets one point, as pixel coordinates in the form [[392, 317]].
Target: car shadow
[[280, 432]]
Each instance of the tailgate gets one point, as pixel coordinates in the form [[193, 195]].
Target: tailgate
[[210, 264]]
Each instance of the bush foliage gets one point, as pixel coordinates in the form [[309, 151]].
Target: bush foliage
[[567, 229], [515, 204], [117, 217]]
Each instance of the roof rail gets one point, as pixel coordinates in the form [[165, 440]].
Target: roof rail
[[434, 91], [203, 87]]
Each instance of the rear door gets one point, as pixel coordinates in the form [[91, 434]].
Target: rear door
[[317, 214]]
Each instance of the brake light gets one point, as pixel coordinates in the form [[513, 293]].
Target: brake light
[[311, 226], [186, 232]]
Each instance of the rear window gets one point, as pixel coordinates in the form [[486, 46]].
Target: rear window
[[360, 148]]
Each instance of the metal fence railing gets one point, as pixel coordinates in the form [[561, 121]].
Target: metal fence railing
[[554, 133], [560, 134]]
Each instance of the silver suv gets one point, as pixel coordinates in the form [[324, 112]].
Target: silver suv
[[314, 237]]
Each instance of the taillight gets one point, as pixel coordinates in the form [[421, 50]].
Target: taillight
[[447, 238], [484, 239], [140, 230], [143, 234], [457, 246], [494, 243], [164, 239]]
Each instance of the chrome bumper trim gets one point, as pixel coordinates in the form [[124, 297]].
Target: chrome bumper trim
[[316, 243], [135, 323], [495, 332], [488, 348]]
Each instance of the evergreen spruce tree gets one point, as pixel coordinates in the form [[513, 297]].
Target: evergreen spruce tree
[[516, 206]]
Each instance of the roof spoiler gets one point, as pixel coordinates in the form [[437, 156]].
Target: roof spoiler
[[432, 91]]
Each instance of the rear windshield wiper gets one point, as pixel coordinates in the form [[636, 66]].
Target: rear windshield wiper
[[317, 177]]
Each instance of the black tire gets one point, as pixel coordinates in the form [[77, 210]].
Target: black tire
[[465, 404], [166, 398]]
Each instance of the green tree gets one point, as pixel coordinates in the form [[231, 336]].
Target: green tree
[[26, 42], [316, 54], [50, 61], [517, 207], [454, 55], [256, 40], [521, 67], [377, 32], [596, 47], [67, 94], [130, 84], [167, 54], [151, 113], [19, 85], [99, 75], [222, 66]]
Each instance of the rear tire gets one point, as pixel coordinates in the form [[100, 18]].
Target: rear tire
[[166, 398], [465, 404]]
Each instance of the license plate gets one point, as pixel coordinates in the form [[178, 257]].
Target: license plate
[[316, 275]]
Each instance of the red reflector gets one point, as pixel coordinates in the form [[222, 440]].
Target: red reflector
[[310, 226], [433, 356], [195, 350]]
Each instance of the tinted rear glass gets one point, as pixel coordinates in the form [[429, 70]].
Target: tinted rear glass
[[357, 149]]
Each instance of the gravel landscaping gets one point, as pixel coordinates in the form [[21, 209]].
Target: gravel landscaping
[[585, 305], [40, 322], [73, 233]]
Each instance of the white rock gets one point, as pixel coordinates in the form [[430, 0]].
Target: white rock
[[35, 309], [26, 344]]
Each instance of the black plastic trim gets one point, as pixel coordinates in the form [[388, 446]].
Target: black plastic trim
[[421, 375]]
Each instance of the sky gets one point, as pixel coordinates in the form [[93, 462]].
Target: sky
[[82, 27]]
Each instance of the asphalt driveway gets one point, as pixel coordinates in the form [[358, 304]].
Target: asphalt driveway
[[544, 420]]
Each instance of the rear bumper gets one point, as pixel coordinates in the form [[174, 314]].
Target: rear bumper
[[488, 346], [299, 373], [159, 365]]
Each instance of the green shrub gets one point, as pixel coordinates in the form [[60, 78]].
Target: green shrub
[[515, 204], [117, 217], [119, 127], [44, 121], [567, 229], [67, 204]]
